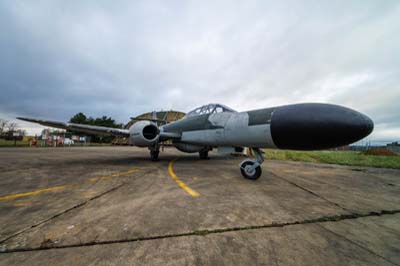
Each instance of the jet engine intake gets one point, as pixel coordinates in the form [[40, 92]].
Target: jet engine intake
[[144, 133]]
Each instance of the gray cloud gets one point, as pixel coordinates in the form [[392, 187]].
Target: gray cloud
[[125, 58]]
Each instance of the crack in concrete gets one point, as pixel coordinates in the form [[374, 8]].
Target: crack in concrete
[[333, 218], [311, 192], [64, 212], [59, 214], [358, 245]]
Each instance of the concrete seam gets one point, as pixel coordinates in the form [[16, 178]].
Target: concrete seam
[[334, 218]]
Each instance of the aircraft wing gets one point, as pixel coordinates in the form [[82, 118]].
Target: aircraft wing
[[79, 127]]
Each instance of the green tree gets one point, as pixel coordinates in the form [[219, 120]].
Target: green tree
[[79, 118], [104, 121]]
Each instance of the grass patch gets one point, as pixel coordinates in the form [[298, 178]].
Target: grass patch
[[10, 143], [335, 157]]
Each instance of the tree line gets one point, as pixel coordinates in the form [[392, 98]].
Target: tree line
[[104, 121]]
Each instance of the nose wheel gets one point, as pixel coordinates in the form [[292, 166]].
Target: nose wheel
[[251, 169]]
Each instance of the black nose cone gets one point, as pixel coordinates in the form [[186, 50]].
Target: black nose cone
[[316, 126]]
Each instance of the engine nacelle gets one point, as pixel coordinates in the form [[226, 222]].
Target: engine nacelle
[[144, 134]]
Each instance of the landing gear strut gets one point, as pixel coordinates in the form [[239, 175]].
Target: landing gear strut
[[154, 152], [251, 169]]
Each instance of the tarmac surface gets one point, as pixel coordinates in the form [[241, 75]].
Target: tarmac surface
[[112, 206]]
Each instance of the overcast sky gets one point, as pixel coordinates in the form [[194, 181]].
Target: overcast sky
[[123, 58]]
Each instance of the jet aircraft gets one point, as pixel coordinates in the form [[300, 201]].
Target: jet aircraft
[[307, 126]]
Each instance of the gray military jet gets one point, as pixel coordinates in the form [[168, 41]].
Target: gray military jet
[[308, 126]]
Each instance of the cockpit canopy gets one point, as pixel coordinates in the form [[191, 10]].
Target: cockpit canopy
[[211, 108]]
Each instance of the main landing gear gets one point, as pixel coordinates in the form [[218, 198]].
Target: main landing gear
[[203, 155], [154, 152], [251, 169]]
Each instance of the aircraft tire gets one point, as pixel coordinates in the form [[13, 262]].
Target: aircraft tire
[[254, 175], [203, 155], [154, 155]]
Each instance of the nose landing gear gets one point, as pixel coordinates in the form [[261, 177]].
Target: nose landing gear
[[251, 169]]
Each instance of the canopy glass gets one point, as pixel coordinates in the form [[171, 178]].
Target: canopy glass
[[211, 108]]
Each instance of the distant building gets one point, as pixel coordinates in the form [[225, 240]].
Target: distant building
[[394, 147], [56, 137], [342, 148], [161, 117]]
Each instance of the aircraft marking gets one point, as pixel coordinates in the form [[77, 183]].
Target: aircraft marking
[[39, 191], [190, 191]]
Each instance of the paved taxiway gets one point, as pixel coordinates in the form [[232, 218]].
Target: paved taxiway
[[112, 206]]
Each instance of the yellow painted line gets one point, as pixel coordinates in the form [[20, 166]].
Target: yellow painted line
[[31, 193], [179, 182], [114, 175], [39, 191]]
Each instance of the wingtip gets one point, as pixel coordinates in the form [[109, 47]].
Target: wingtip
[[28, 119], [23, 118]]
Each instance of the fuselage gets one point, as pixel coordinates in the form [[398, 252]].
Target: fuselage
[[309, 126]]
